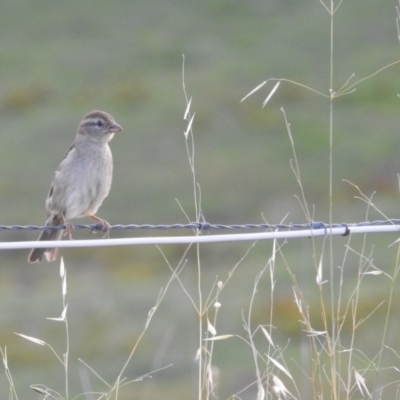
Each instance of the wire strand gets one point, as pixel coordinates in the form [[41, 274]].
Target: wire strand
[[205, 226]]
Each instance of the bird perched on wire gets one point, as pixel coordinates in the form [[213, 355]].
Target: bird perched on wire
[[81, 182]]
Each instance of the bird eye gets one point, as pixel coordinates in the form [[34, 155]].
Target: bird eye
[[99, 123]]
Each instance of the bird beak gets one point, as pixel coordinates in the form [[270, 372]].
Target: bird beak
[[115, 128]]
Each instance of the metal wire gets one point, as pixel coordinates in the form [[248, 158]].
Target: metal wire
[[205, 226]]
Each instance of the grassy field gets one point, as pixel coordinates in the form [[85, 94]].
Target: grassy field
[[59, 60]]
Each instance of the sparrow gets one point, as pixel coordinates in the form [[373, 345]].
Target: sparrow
[[81, 182]]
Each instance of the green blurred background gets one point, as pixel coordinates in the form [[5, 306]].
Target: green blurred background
[[59, 60]]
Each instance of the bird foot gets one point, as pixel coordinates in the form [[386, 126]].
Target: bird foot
[[69, 228], [102, 225]]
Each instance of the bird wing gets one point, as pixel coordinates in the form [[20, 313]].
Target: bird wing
[[59, 167]]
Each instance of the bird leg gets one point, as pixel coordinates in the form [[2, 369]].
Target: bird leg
[[104, 225], [69, 228]]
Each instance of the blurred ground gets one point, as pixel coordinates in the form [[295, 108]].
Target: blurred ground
[[59, 60]]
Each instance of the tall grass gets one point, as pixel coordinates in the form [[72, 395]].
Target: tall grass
[[338, 368]]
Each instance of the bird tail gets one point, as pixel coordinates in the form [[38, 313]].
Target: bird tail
[[51, 254]]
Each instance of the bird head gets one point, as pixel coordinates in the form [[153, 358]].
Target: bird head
[[98, 125]]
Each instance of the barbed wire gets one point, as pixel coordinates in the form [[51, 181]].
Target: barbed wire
[[202, 234], [205, 226]]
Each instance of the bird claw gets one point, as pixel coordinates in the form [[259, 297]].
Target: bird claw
[[104, 226], [69, 228]]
